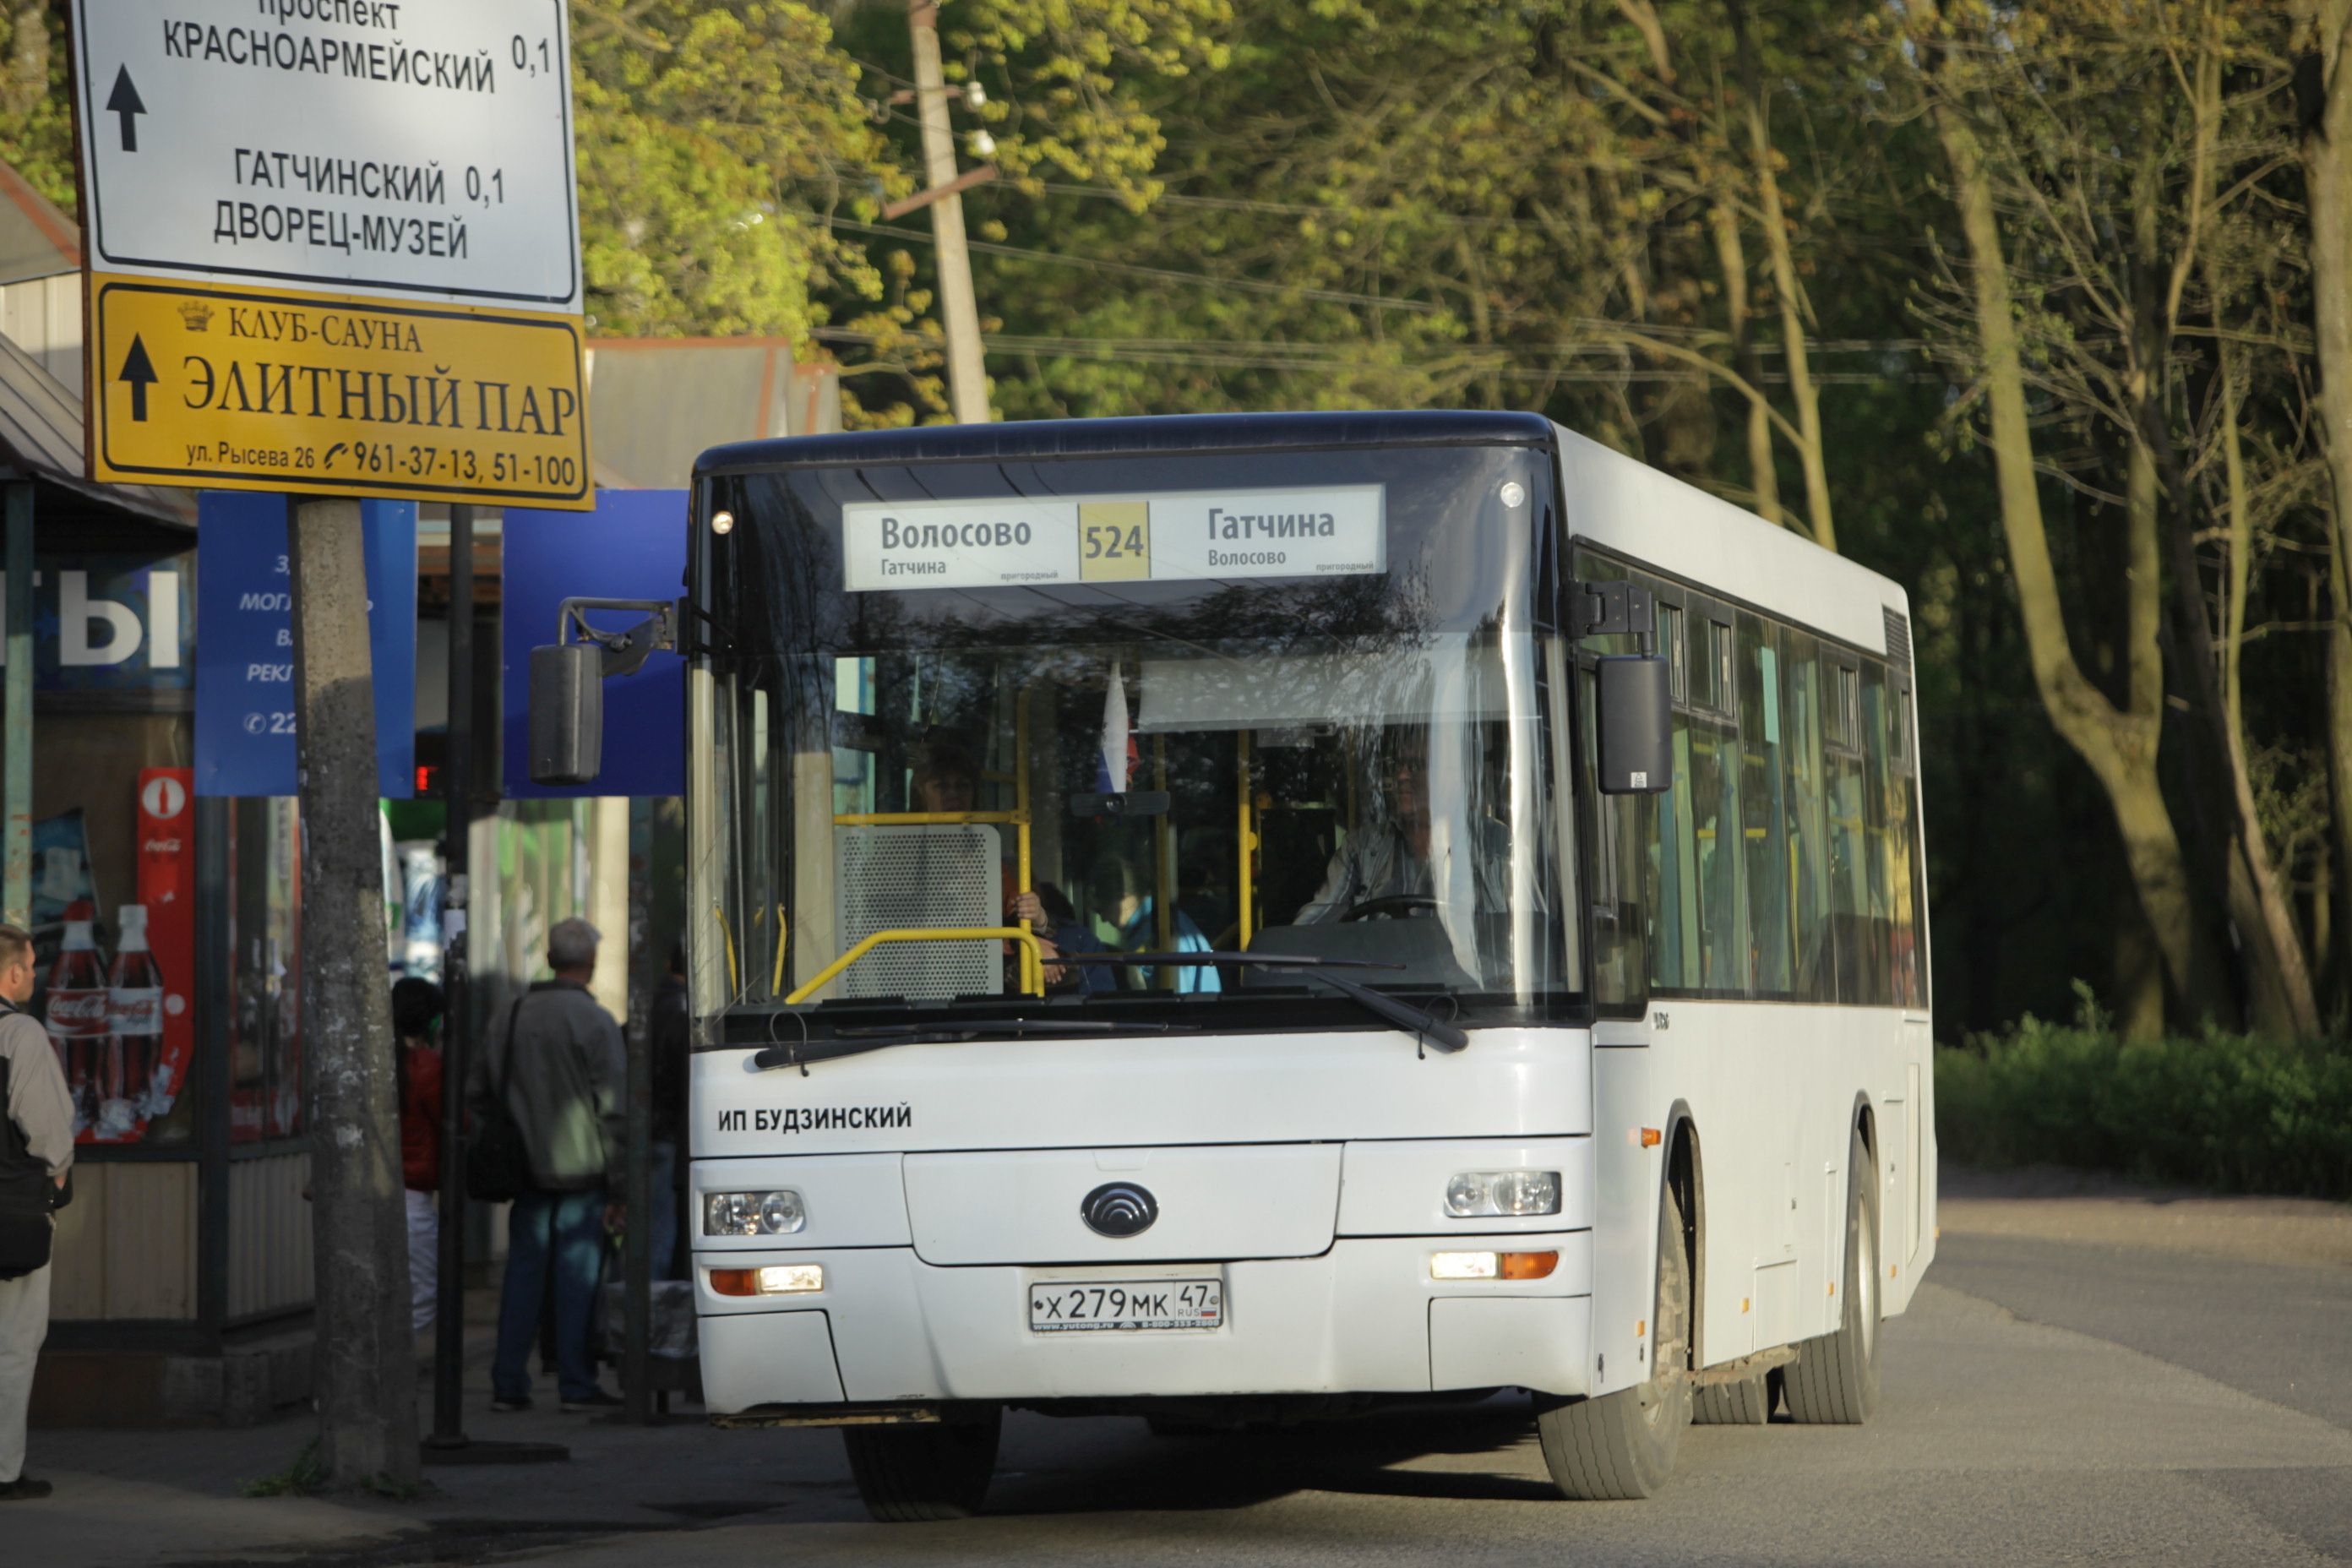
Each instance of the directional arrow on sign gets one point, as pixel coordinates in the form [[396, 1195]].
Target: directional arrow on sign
[[125, 101], [139, 372]]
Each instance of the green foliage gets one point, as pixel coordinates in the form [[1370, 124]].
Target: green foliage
[[712, 142], [2233, 1112], [306, 1476], [35, 109]]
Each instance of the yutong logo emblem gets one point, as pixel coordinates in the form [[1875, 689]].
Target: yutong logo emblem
[[1119, 1209]]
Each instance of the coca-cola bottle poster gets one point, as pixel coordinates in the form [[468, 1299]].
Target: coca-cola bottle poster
[[115, 991]]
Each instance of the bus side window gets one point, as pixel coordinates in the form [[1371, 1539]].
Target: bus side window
[[1712, 827], [1849, 859], [1767, 858], [1882, 820], [1805, 798], [1910, 873], [1614, 828]]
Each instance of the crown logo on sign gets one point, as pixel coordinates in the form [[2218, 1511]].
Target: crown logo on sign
[[196, 313]]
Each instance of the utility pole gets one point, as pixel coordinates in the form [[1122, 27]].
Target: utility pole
[[959, 312], [366, 1376], [457, 992]]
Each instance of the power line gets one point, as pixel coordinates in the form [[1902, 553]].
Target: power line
[[1161, 274]]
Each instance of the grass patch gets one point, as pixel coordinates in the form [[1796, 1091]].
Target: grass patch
[[308, 1477], [2229, 1113]]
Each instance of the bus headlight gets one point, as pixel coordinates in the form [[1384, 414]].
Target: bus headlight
[[1507, 1194], [752, 1214]]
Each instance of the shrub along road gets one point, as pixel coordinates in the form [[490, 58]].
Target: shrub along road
[[2053, 1397]]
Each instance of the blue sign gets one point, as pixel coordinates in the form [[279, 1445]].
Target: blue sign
[[632, 547], [111, 623], [245, 645]]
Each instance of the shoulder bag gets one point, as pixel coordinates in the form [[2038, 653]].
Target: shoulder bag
[[498, 1162], [26, 1195]]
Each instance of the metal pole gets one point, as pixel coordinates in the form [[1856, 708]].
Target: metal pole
[[959, 312], [16, 878], [637, 1247], [457, 1018]]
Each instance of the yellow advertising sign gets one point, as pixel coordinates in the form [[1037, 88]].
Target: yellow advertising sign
[[231, 388]]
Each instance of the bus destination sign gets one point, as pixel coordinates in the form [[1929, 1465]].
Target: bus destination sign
[[1327, 532]]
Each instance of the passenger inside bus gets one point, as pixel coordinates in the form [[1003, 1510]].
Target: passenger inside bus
[[1383, 868], [1120, 893]]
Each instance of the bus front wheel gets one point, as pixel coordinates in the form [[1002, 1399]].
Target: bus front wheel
[[922, 1474], [1622, 1445], [1834, 1379]]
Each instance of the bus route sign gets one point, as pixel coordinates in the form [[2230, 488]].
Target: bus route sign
[[234, 388], [333, 245]]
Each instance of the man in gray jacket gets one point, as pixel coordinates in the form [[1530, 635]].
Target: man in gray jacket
[[557, 1059], [37, 1149]]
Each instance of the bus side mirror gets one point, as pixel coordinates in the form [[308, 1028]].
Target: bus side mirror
[[567, 682], [567, 713], [1636, 726]]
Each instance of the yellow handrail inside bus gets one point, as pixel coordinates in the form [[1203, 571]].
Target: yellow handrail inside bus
[[777, 984], [1034, 961], [1247, 831], [1033, 967], [733, 984]]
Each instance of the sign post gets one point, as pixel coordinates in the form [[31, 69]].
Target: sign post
[[333, 251]]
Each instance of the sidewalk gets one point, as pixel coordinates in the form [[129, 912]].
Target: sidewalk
[[129, 1498], [2052, 1203]]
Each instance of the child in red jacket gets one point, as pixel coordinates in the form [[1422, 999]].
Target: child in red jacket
[[415, 1019]]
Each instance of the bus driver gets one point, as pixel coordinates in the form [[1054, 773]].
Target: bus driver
[[1389, 856]]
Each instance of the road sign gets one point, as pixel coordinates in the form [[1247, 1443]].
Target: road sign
[[413, 147], [245, 389]]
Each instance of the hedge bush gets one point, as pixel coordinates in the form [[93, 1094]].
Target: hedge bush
[[2233, 1113]]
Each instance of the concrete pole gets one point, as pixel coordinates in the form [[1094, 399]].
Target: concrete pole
[[959, 312], [366, 1373], [16, 784], [457, 991]]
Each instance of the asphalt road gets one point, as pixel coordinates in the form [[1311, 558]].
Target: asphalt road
[[2087, 1375], [2046, 1402]]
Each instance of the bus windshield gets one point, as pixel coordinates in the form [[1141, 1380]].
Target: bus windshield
[[1190, 711]]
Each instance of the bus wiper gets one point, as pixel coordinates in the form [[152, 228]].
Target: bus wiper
[[1404, 1015], [858, 1041]]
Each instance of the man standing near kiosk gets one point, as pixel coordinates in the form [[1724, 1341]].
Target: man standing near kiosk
[[35, 1153]]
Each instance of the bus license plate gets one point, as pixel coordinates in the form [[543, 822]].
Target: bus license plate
[[1095, 1306]]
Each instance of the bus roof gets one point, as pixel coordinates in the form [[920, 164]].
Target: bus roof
[[1048, 438]]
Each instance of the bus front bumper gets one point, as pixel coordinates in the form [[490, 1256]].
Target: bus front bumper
[[1364, 1317]]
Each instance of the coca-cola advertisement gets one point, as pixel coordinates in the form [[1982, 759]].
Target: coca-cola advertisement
[[114, 992], [150, 996]]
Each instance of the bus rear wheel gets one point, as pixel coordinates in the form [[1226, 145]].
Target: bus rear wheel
[[922, 1474], [1622, 1445], [1748, 1402], [1834, 1379]]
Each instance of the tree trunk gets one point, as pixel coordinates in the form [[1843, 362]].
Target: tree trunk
[[366, 1369], [1732, 258], [1789, 299], [2323, 97], [2279, 980], [2139, 974], [2119, 746], [2339, 752]]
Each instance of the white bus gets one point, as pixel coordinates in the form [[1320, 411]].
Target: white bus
[[1162, 944]]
